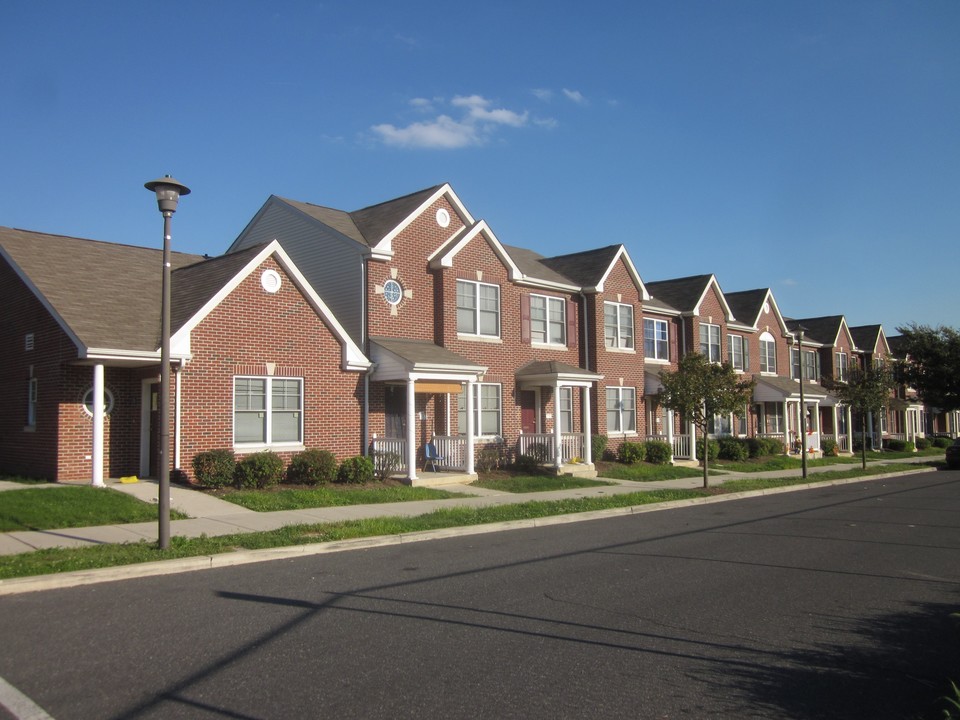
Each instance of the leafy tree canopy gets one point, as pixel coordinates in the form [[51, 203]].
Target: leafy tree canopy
[[932, 364], [865, 390], [699, 390]]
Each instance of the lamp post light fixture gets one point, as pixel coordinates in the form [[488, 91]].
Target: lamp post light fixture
[[803, 408], [168, 193]]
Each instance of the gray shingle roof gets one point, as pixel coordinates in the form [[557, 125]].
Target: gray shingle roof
[[532, 264], [680, 293], [820, 329], [424, 352], [866, 337], [336, 219], [107, 294], [584, 268], [376, 221], [747, 304]]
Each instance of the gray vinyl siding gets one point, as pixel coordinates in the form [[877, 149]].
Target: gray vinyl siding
[[331, 262]]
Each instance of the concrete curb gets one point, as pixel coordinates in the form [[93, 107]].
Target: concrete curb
[[37, 583]]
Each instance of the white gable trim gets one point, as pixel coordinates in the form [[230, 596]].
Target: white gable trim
[[384, 248], [481, 228], [631, 268], [352, 357], [723, 300]]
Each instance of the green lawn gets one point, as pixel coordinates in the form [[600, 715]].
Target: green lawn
[[331, 496], [68, 507], [535, 483], [645, 472]]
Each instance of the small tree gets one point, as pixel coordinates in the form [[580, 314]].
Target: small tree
[[865, 390], [932, 364], [699, 390]]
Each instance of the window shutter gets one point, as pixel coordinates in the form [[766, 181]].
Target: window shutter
[[525, 318], [672, 334], [571, 323], [746, 353]]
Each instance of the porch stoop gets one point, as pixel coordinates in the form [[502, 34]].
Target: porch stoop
[[429, 478], [578, 470]]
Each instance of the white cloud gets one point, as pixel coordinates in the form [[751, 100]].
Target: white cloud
[[790, 282], [542, 94], [575, 96], [478, 121]]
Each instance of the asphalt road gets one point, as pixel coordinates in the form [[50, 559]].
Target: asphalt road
[[827, 603]]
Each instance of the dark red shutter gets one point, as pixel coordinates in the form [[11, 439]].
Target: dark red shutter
[[571, 324], [672, 335], [525, 318]]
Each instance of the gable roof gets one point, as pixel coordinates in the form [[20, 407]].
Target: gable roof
[[747, 305], [590, 268], [687, 293], [105, 296], [868, 337], [825, 330]]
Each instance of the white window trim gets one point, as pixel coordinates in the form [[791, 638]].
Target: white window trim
[[32, 396], [268, 445], [478, 414], [619, 390], [619, 347], [744, 352], [710, 327], [655, 358], [563, 326], [763, 356], [476, 310]]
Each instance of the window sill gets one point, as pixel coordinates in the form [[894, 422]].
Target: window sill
[[30, 428], [480, 338], [549, 346], [260, 447], [625, 351], [656, 361]]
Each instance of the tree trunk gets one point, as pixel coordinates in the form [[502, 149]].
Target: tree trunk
[[706, 460]]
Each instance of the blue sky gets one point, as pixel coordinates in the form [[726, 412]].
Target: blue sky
[[810, 147]]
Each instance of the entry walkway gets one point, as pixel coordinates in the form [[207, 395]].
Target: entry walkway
[[211, 516]]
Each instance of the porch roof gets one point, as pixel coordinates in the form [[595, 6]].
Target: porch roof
[[551, 372], [779, 389], [404, 359]]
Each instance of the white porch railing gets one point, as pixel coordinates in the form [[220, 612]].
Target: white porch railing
[[843, 442], [681, 447], [390, 445], [542, 446], [453, 450]]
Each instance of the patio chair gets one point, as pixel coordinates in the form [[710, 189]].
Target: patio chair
[[431, 456]]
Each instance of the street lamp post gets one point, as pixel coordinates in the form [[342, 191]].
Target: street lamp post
[[803, 409], [168, 193]]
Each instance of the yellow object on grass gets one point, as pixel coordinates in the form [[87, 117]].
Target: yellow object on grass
[[129, 479]]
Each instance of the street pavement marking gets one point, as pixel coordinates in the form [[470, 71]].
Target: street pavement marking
[[22, 707]]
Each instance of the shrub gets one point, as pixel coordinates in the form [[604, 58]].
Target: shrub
[[923, 443], [490, 457], [734, 449], [773, 446], [358, 469], [713, 450], [385, 464], [598, 445], [259, 470], [631, 452], [899, 445], [312, 467], [658, 452], [829, 446], [214, 468], [526, 463], [942, 442]]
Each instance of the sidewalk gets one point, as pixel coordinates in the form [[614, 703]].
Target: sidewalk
[[211, 516]]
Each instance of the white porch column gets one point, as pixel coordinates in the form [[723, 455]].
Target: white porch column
[[849, 412], [587, 436], [693, 440], [670, 433], [833, 420], [96, 453], [411, 430], [870, 429], [178, 386], [786, 427], [557, 435], [470, 429]]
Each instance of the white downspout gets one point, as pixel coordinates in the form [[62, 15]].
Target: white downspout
[[96, 453], [176, 415], [587, 439], [411, 430]]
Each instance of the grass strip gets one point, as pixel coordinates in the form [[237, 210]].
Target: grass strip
[[43, 562], [262, 501], [71, 507], [645, 472], [537, 483]]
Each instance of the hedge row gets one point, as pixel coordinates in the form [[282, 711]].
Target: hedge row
[[220, 468]]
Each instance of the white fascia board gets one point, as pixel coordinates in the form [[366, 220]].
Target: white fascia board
[[631, 269], [446, 260], [432, 257], [533, 282], [386, 244], [664, 311], [81, 348], [723, 300], [742, 327], [117, 354], [846, 329], [773, 302], [353, 357]]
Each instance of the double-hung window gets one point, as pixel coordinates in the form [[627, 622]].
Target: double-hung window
[[478, 308], [710, 342], [842, 366], [739, 352], [548, 320], [621, 410], [267, 411], [811, 364], [656, 339], [768, 354], [618, 325], [32, 402], [486, 410], [565, 409]]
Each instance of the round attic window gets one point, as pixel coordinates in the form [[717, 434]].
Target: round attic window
[[392, 292], [270, 281], [443, 217], [107, 402]]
